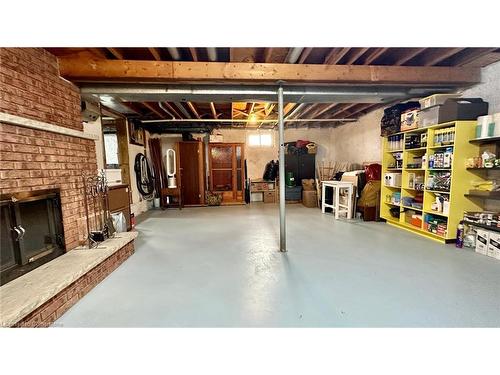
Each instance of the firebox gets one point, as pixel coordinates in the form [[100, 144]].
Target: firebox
[[31, 231]]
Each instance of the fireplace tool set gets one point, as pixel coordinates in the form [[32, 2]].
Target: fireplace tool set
[[99, 223]]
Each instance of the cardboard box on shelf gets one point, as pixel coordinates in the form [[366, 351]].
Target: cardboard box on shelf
[[482, 241], [494, 245], [309, 198]]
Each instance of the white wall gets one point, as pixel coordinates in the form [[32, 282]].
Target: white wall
[[360, 141], [257, 157], [488, 89]]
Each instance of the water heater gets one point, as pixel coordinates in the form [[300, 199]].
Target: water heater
[[170, 164]]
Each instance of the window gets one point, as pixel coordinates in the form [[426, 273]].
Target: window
[[260, 140]]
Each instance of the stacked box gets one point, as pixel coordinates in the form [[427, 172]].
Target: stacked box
[[494, 246], [482, 241]]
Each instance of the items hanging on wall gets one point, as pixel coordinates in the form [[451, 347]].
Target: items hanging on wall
[[100, 226], [144, 176]]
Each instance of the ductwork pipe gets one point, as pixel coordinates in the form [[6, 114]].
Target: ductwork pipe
[[183, 110], [174, 52], [160, 104], [293, 55], [233, 93], [235, 121], [212, 53]]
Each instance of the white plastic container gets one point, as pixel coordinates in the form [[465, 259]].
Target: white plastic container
[[487, 126], [496, 120], [436, 99], [428, 116]]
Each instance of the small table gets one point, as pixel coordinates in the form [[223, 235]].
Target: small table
[[336, 206], [172, 193]]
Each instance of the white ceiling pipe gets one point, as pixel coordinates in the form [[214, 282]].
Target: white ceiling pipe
[[160, 104], [294, 54], [230, 120], [212, 53], [174, 52]]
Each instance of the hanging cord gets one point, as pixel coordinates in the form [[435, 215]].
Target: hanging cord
[[144, 176]]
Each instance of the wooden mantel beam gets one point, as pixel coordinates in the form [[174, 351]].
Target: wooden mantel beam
[[102, 70]]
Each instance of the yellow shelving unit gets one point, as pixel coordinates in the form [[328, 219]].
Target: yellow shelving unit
[[460, 179]]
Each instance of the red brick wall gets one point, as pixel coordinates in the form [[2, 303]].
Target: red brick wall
[[33, 159], [54, 308], [30, 87]]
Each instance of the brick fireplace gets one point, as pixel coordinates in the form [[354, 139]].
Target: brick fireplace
[[36, 159]]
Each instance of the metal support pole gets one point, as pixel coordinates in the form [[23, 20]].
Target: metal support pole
[[281, 131]]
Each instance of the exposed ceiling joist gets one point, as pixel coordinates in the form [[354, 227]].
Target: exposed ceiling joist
[[155, 53], [469, 55], [305, 54], [267, 54], [356, 55], [172, 109], [409, 54], [214, 111], [437, 55], [207, 72], [374, 55], [116, 53], [336, 55], [153, 109], [194, 53], [193, 109]]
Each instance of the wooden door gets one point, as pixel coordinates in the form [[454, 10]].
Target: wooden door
[[191, 173], [226, 162]]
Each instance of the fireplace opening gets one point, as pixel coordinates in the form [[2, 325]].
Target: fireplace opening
[[31, 231]]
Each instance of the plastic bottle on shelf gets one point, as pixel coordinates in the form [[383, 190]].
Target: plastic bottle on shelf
[[460, 235]]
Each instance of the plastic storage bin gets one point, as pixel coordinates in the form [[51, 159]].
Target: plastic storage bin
[[428, 116], [436, 99]]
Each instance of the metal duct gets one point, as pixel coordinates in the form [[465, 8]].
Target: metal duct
[[293, 55], [212, 53], [183, 110], [174, 52], [233, 93], [236, 121], [295, 111]]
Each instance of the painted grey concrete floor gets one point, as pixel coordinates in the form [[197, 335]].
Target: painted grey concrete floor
[[219, 267]]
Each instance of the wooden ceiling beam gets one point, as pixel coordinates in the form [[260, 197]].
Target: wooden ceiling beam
[[216, 72], [304, 55], [172, 109], [435, 56], [409, 54], [374, 55], [134, 107], [470, 55], [194, 53], [153, 109], [336, 55], [155, 53], [356, 55], [193, 109], [267, 54], [116, 53], [98, 52], [214, 111], [343, 108]]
